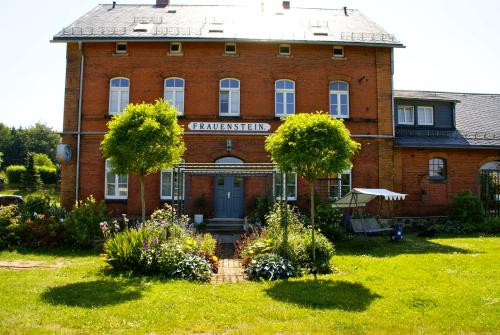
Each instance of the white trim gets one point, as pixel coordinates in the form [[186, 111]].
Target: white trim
[[116, 196], [121, 51], [175, 91], [230, 52], [339, 94], [284, 187], [231, 92], [425, 108], [175, 51], [338, 47], [285, 46], [412, 110], [283, 91], [120, 91], [339, 185], [172, 180]]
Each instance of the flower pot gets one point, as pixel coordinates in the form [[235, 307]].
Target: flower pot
[[198, 218]]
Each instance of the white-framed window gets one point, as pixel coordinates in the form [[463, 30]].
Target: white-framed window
[[169, 181], [425, 115], [115, 185], [285, 49], [230, 48], [339, 99], [284, 97], [340, 186], [118, 95], [338, 51], [406, 115], [121, 48], [291, 186], [174, 93], [175, 47], [229, 97]]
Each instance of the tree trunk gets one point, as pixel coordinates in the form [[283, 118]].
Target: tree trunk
[[143, 201], [311, 191]]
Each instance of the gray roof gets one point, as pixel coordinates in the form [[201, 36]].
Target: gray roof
[[477, 121], [226, 22]]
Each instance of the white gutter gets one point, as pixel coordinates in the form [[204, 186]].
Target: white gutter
[[79, 133]]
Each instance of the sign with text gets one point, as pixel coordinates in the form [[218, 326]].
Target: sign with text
[[229, 126]]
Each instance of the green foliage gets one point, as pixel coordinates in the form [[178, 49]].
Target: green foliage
[[312, 145], [15, 173], [41, 159], [9, 226], [329, 220], [208, 244], [125, 248], [48, 175], [35, 204], [270, 267], [490, 225], [83, 221], [31, 178], [170, 255], [1, 159], [258, 247], [261, 206], [193, 268], [466, 208]]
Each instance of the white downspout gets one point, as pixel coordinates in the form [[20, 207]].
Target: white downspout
[[79, 132]]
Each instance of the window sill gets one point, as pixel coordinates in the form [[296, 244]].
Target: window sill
[[230, 55], [120, 54], [175, 54], [339, 58], [284, 56]]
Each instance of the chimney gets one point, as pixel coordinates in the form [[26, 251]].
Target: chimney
[[286, 4], [162, 3], [345, 11]]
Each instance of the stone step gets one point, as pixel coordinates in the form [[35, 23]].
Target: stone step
[[225, 225]]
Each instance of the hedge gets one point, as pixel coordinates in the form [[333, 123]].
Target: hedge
[[48, 175], [15, 173]]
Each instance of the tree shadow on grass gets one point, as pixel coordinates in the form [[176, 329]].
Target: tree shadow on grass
[[378, 246], [323, 294], [93, 294]]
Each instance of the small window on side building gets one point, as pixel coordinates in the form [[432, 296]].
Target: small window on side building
[[121, 48], [175, 47], [284, 49], [338, 52], [230, 48]]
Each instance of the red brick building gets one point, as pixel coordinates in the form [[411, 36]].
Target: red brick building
[[233, 72]]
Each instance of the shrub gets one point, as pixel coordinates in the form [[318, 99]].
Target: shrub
[[35, 204], [170, 255], [48, 175], [212, 259], [270, 267], [193, 268], [41, 159], [258, 247], [261, 206], [466, 208], [31, 178], [15, 173], [83, 221], [490, 225], [9, 226], [125, 248], [43, 230], [329, 220], [208, 244]]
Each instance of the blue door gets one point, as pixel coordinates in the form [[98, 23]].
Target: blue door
[[228, 196]]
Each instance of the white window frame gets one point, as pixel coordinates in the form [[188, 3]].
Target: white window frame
[[230, 52], [284, 92], [175, 92], [121, 51], [116, 196], [425, 109], [338, 47], [175, 51], [339, 183], [404, 110], [231, 92], [120, 91], [285, 187], [285, 46], [339, 94], [172, 181]]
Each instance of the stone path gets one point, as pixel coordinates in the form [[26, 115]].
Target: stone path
[[230, 269], [28, 264]]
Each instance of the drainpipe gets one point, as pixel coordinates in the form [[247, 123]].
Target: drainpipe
[[392, 93], [79, 131]]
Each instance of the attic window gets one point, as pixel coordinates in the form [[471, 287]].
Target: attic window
[[142, 27], [175, 48], [338, 51], [121, 48], [230, 48], [284, 49], [215, 31]]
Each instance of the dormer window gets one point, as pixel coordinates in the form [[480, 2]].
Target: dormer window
[[175, 48], [284, 49], [406, 115], [230, 48], [425, 116], [338, 52], [121, 48]]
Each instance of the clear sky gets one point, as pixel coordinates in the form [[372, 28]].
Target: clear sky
[[452, 45]]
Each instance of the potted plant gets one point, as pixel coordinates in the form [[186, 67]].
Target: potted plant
[[200, 203]]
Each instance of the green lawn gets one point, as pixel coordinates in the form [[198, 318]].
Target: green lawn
[[442, 285]]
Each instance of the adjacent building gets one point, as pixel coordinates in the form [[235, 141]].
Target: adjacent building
[[233, 73]]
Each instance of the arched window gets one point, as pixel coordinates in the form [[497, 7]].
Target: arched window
[[171, 182], [284, 97], [118, 95], [174, 93], [229, 97], [339, 99], [115, 185], [437, 168]]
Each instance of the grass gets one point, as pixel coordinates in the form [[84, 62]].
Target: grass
[[441, 285]]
